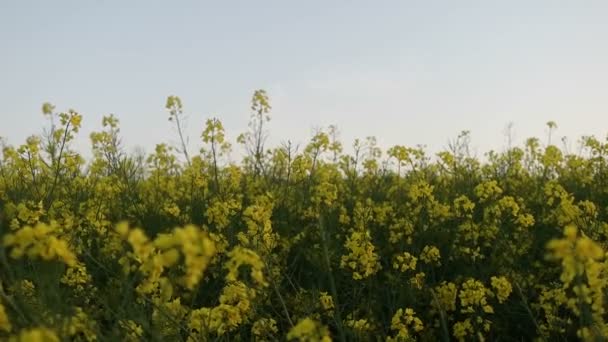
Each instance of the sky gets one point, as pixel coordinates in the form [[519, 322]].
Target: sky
[[407, 72]]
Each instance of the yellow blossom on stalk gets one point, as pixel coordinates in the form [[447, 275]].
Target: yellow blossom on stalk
[[503, 288], [473, 296], [39, 241], [445, 295], [325, 193], [574, 252], [464, 207], [219, 320], [583, 273], [133, 331], [417, 280], [405, 324], [264, 327], [550, 302], [155, 256], [431, 255], [76, 276], [462, 330], [257, 217], [488, 190], [80, 325], [28, 213], [240, 256], [404, 262], [358, 325], [308, 330], [327, 301], [197, 249], [26, 287], [171, 209], [142, 248], [165, 314], [239, 295], [233, 310], [35, 335], [420, 191], [402, 228], [219, 212], [361, 260]]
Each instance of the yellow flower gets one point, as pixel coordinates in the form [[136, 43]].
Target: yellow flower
[[35, 335], [463, 329], [405, 323], [264, 327], [417, 280], [242, 256], [359, 325], [404, 262], [445, 296], [80, 325], [473, 296], [361, 260], [430, 255], [327, 301], [5, 324], [503, 288], [40, 240], [133, 331], [308, 330]]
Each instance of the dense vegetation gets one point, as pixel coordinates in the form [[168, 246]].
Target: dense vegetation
[[299, 244]]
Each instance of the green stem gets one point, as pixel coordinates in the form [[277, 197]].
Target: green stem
[[332, 282]]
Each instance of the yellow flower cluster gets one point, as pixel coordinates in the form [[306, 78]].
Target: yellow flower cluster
[[583, 272], [219, 212], [327, 302], [77, 277], [80, 325], [360, 326], [550, 303], [400, 229], [502, 288], [233, 310], [405, 324], [39, 241], [35, 335], [265, 328], [473, 296], [308, 330], [488, 190], [259, 233], [240, 256], [361, 260], [431, 255], [197, 250], [417, 281], [464, 207], [445, 295], [5, 323], [404, 262], [27, 213], [133, 331], [462, 330], [154, 257]]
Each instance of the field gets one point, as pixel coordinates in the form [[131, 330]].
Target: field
[[308, 244]]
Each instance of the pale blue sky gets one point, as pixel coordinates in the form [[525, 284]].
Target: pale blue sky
[[408, 72]]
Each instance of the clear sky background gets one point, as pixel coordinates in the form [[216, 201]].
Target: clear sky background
[[407, 72]]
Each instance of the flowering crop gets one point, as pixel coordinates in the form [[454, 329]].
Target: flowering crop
[[311, 244]]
